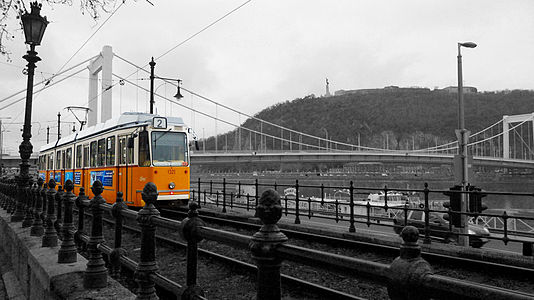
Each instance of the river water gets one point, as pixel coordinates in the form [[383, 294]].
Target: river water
[[332, 182]]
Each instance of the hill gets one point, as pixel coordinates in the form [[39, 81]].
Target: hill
[[402, 119]]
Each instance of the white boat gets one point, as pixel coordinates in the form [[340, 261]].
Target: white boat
[[394, 199]]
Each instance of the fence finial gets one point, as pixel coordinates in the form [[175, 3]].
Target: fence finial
[[408, 271], [50, 235], [37, 225], [147, 260], [95, 275], [263, 246], [67, 252], [190, 232]]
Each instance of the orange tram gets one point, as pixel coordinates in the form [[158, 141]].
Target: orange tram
[[124, 153]]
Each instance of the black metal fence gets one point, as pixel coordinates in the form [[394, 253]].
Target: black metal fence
[[408, 277], [429, 210]]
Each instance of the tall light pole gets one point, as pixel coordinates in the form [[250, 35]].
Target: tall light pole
[[463, 138], [34, 27], [178, 95]]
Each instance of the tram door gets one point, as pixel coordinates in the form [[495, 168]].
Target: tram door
[[125, 162]]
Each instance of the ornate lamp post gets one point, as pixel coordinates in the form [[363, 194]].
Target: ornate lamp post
[[34, 27], [178, 95], [463, 138]]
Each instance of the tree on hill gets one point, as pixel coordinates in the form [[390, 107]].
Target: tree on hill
[[402, 120]]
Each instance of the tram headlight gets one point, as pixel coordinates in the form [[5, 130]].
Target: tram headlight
[[171, 185]]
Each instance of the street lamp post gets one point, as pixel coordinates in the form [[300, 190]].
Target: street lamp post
[[34, 27], [178, 95], [463, 138]]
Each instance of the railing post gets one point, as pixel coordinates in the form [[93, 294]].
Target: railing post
[[224, 195], [408, 271], [13, 199], [189, 231], [37, 225], [59, 214], [297, 208], [115, 256], [67, 252], [263, 246], [50, 234], [80, 245], [147, 261], [352, 228], [45, 203], [28, 205], [427, 216], [527, 248], [199, 190], [96, 274], [18, 208], [3, 197]]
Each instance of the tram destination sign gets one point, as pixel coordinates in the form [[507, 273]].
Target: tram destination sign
[[159, 122]]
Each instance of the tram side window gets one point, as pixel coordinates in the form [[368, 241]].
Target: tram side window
[[101, 159], [63, 160], [110, 151], [51, 161], [93, 154], [144, 154], [58, 160], [86, 156], [79, 156], [122, 150], [68, 158]]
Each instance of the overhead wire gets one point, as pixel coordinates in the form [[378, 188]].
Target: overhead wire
[[91, 36], [43, 88], [44, 81]]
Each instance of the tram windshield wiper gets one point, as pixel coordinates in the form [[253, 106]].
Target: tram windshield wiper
[[162, 135]]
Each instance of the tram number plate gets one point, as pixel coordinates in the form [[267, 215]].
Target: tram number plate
[[171, 171], [159, 122]]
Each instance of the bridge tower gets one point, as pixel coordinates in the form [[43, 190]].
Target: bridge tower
[[506, 121], [102, 63]]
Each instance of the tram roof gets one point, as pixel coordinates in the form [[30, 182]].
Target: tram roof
[[125, 120]]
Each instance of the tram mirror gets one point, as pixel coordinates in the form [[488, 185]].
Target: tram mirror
[[130, 142]]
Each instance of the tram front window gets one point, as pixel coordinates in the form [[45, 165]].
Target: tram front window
[[169, 148]]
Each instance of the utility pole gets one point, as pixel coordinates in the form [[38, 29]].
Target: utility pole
[[152, 63], [47, 134], [58, 126]]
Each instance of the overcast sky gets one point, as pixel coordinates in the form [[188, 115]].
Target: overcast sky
[[268, 52]]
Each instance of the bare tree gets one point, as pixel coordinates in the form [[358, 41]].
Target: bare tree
[[11, 10]]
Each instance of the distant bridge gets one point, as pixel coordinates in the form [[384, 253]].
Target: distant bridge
[[236, 157]]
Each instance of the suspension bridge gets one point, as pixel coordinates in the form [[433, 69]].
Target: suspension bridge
[[508, 142]]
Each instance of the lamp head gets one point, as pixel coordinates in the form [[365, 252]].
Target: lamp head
[[34, 24], [178, 95], [468, 44]]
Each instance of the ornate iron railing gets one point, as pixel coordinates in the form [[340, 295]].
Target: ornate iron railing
[[408, 276]]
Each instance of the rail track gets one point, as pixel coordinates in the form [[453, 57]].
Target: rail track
[[442, 263], [324, 283]]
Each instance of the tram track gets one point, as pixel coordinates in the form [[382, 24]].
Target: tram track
[[299, 278], [383, 252], [287, 280]]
